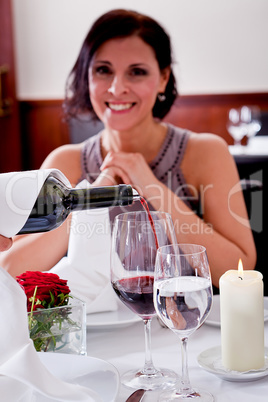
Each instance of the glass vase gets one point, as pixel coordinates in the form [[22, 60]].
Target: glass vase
[[60, 329]]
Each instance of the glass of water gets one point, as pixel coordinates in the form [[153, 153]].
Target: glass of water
[[183, 300]]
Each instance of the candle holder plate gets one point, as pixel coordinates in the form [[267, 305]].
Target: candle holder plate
[[210, 360]]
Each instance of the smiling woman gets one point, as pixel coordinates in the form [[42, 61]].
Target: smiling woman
[[119, 25], [122, 91], [124, 76]]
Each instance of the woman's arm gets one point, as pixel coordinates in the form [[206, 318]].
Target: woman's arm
[[210, 170], [41, 251], [5, 243]]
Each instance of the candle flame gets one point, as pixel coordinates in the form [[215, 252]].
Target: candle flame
[[240, 269]]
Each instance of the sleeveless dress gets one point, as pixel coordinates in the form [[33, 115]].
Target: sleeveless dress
[[87, 264]]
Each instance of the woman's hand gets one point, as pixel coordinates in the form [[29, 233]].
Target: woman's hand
[[111, 176], [132, 168]]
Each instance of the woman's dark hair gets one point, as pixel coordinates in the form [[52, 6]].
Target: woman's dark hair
[[118, 24]]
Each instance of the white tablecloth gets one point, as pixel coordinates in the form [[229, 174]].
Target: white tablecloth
[[124, 348], [257, 146]]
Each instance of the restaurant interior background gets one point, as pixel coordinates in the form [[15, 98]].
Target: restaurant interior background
[[220, 54], [221, 61]]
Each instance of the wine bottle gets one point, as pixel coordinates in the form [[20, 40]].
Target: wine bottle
[[56, 201]]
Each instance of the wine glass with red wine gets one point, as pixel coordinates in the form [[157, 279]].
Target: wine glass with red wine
[[135, 240]]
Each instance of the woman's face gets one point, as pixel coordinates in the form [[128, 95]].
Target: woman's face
[[124, 80]]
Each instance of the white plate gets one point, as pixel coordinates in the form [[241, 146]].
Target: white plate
[[83, 370], [214, 317], [122, 317], [210, 360]]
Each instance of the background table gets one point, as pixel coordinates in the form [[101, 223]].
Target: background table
[[124, 348], [252, 164], [257, 147]]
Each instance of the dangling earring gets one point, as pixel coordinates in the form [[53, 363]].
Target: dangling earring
[[161, 97]]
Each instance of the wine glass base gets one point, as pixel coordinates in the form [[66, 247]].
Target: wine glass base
[[160, 379], [196, 395]]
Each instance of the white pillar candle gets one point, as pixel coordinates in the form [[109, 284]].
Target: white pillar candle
[[242, 320]]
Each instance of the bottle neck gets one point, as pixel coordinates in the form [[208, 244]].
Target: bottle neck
[[100, 197]]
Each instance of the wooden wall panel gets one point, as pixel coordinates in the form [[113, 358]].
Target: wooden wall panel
[[10, 145], [43, 128], [208, 113]]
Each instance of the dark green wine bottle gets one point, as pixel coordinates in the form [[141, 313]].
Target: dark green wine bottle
[[56, 201]]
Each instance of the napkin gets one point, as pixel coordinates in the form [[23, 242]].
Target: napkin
[[21, 370], [18, 193], [87, 264]]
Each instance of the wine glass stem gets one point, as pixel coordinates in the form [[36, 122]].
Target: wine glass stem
[[185, 382], [148, 365]]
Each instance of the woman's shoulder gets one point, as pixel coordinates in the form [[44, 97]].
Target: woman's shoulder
[[198, 143], [207, 143], [66, 158], [208, 154]]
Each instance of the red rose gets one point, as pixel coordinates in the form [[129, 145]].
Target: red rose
[[51, 290]]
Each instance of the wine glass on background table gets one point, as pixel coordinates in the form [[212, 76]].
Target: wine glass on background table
[[252, 117], [183, 300], [135, 240], [235, 126], [244, 121]]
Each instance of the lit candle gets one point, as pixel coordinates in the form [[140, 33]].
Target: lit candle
[[242, 319]]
